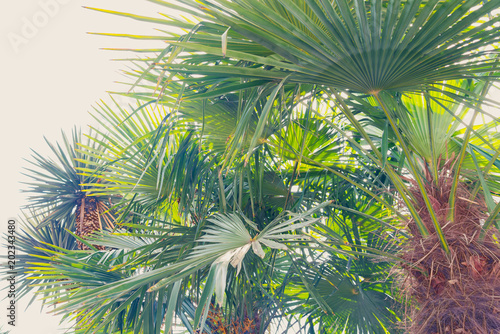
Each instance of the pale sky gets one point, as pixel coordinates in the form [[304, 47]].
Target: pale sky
[[53, 72]]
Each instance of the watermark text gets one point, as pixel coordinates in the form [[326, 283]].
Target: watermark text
[[11, 272], [32, 24]]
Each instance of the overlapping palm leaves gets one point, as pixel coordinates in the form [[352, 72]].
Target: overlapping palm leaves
[[34, 241], [350, 294], [417, 42], [132, 169], [361, 46], [312, 38], [268, 116]]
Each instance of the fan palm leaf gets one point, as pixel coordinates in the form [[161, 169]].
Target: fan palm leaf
[[358, 46]]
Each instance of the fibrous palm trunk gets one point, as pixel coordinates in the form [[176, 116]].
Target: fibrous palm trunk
[[459, 293], [219, 325], [87, 220]]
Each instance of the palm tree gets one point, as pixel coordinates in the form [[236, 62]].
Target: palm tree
[[60, 192], [331, 138], [60, 213]]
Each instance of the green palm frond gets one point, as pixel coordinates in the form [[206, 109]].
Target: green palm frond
[[359, 46], [146, 158], [32, 241], [347, 288], [58, 184], [111, 281]]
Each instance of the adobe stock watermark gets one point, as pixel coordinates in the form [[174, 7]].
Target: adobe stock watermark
[[30, 26]]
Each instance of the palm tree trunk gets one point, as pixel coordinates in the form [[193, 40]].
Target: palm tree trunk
[[87, 220], [459, 293]]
